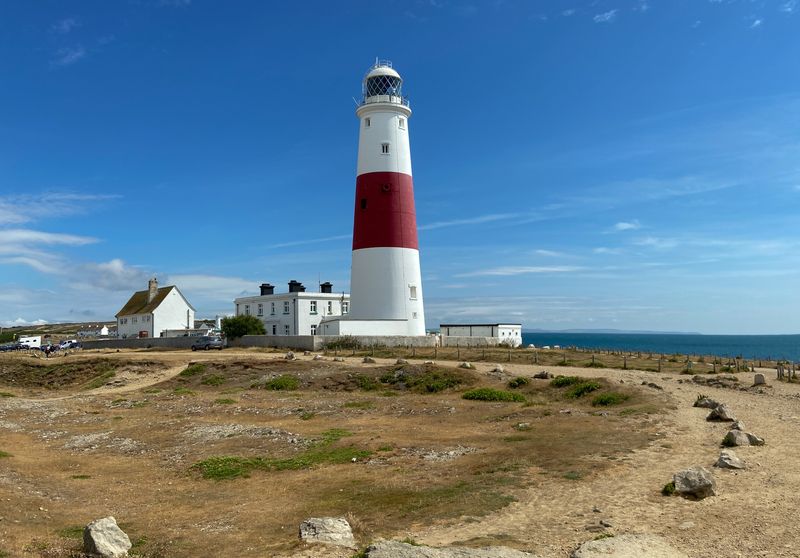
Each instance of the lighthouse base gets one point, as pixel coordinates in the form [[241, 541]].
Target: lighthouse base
[[372, 328]]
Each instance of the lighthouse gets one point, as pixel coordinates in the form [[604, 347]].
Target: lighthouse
[[385, 282]]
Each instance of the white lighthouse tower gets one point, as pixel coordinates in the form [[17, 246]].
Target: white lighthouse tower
[[385, 284]]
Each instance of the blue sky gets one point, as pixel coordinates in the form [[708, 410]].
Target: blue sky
[[577, 164]]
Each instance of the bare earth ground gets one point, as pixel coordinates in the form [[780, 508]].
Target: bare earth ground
[[432, 467]]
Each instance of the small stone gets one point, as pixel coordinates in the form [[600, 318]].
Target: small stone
[[103, 537], [338, 359], [368, 360], [740, 438], [686, 525], [697, 482], [306, 353], [318, 357], [759, 380], [289, 356], [401, 361], [498, 368], [628, 546], [737, 425], [729, 460], [466, 366], [721, 413], [543, 375], [605, 523], [706, 403], [595, 509], [327, 530]]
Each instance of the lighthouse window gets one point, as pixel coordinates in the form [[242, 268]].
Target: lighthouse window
[[412, 292], [402, 123], [385, 148], [366, 122], [363, 203]]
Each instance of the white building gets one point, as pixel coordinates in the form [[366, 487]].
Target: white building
[[509, 334], [296, 312], [150, 313], [32, 341], [386, 282]]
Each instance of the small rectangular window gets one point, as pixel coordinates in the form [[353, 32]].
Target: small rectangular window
[[286, 308], [363, 203], [286, 330], [260, 309], [402, 123], [345, 307], [330, 307], [313, 308], [313, 329], [412, 294], [385, 148], [272, 308], [247, 309], [366, 122], [274, 330]]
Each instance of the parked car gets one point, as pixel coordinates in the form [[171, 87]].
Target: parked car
[[207, 343], [12, 347]]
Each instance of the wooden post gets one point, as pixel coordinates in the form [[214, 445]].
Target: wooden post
[[592, 360], [536, 357], [458, 352], [625, 362], [413, 350], [659, 365], [563, 358], [435, 352]]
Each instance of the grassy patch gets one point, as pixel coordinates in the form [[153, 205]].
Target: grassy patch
[[307, 415], [490, 394], [518, 382], [183, 391], [152, 390], [224, 401], [669, 489], [366, 383], [595, 364], [611, 398], [359, 405], [427, 380], [573, 475], [81, 477], [100, 380], [72, 532], [322, 453], [564, 381], [213, 380], [581, 389], [6, 394], [4, 454], [285, 382], [193, 370]]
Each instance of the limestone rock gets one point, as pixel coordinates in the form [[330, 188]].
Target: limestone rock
[[289, 356], [102, 537], [628, 546], [498, 368], [759, 380], [318, 357], [697, 482], [338, 359], [721, 413], [737, 425], [401, 361], [306, 353], [543, 375], [706, 403], [729, 460], [466, 366], [327, 530], [368, 360], [740, 438], [394, 549]]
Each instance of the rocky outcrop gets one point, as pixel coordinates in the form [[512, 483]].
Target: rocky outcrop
[[628, 546], [368, 360], [695, 482], [103, 537], [729, 460], [327, 530], [706, 403], [467, 366], [721, 413], [739, 438], [543, 375], [394, 549]]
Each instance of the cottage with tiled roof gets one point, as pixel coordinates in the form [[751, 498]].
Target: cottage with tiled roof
[[151, 312]]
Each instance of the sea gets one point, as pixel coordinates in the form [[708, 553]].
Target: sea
[[773, 347]]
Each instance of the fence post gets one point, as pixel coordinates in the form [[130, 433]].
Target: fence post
[[659, 365], [624, 362], [435, 352], [509, 355], [535, 357]]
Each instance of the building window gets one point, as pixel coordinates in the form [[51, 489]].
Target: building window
[[286, 308], [260, 309], [345, 307], [313, 307], [272, 308], [286, 330], [330, 307], [135, 320], [366, 122], [363, 203], [313, 329], [385, 148], [402, 123], [246, 309], [412, 294], [414, 315], [274, 329], [237, 309]]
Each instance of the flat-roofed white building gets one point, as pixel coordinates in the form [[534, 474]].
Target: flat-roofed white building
[[154, 311], [509, 334], [296, 312]]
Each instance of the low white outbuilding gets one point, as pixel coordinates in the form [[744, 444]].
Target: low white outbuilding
[[151, 312], [508, 334]]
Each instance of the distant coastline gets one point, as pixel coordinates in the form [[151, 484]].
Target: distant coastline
[[615, 331]]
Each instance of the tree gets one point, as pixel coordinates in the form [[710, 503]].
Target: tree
[[237, 326]]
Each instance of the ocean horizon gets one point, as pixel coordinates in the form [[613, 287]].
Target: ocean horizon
[[780, 347]]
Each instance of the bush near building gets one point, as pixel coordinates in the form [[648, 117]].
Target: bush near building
[[239, 326]]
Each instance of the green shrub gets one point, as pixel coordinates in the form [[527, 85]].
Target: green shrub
[[213, 380], [225, 401], [366, 383], [518, 382], [611, 398], [581, 389], [573, 475], [343, 342], [285, 382], [6, 394], [491, 394], [183, 391], [669, 489], [359, 405], [73, 532], [193, 369], [239, 326], [4, 454], [564, 381]]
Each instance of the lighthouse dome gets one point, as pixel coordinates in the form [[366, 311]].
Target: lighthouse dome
[[383, 84]]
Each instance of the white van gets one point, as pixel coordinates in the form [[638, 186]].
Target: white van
[[32, 342]]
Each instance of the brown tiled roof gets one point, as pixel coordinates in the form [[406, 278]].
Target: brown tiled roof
[[138, 302]]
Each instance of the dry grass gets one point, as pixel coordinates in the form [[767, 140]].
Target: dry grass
[[334, 446]]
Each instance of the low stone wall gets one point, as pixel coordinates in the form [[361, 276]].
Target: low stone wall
[[454, 341], [319, 342], [146, 343]]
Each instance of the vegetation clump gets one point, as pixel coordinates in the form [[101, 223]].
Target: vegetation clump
[[491, 394], [607, 399], [285, 382], [518, 382], [669, 489], [238, 326], [564, 381], [433, 380], [193, 370], [581, 389], [366, 383], [343, 342], [213, 380]]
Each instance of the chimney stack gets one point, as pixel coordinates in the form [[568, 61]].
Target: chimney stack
[[152, 289], [267, 289], [296, 287], [326, 287]]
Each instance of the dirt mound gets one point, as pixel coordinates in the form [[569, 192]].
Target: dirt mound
[[84, 374]]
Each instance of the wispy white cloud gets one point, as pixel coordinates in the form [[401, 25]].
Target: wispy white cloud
[[642, 6], [758, 22], [549, 253], [113, 275], [656, 242], [520, 270], [65, 25], [24, 238], [606, 17], [18, 209], [789, 6], [309, 241], [68, 56], [569, 12], [627, 225], [606, 250], [23, 322], [469, 221]]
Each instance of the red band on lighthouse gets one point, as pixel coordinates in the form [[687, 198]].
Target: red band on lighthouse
[[384, 214]]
